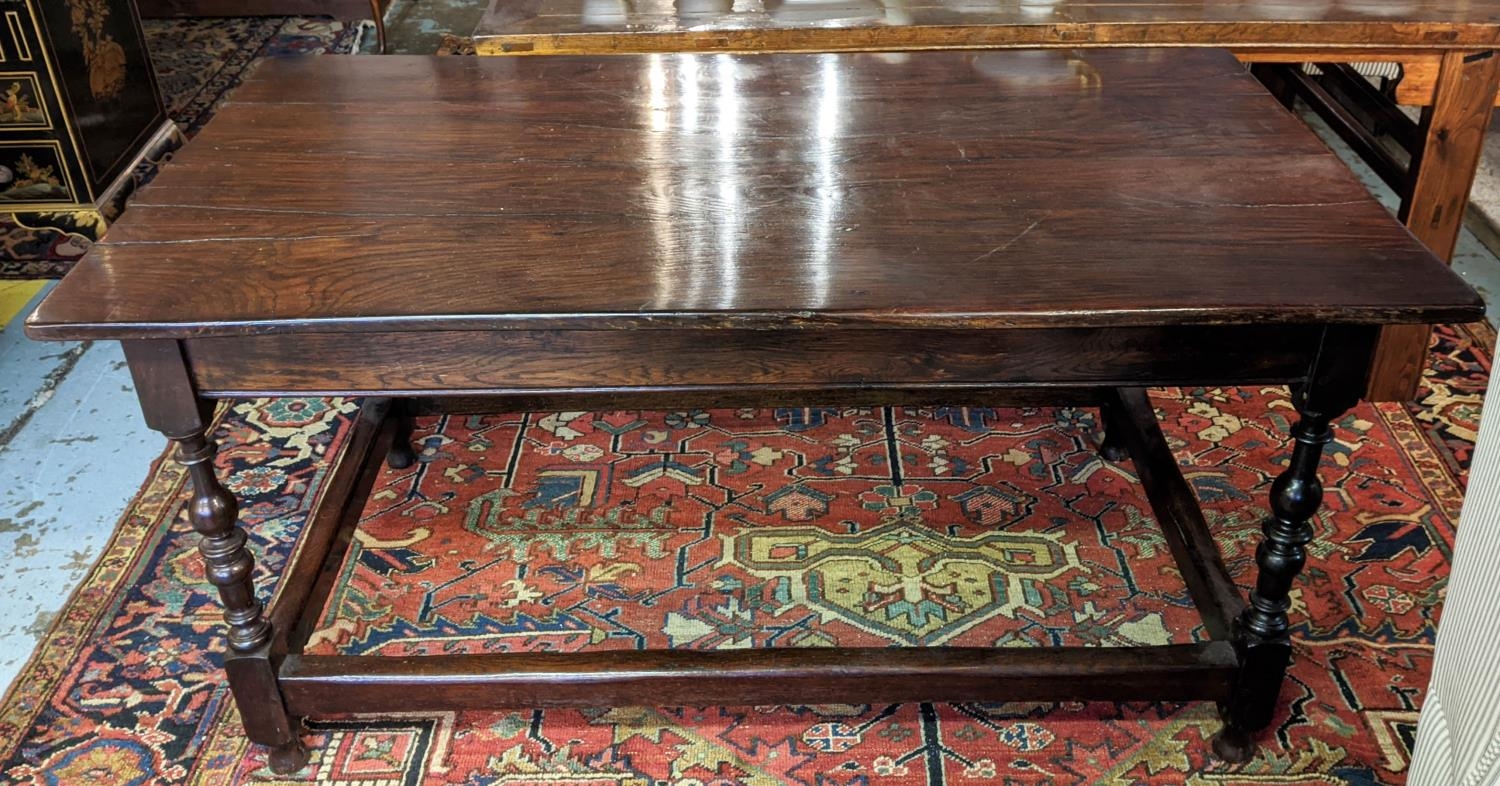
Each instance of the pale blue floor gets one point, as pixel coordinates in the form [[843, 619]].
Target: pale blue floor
[[73, 451]]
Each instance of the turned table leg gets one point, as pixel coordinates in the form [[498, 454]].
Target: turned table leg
[[229, 566], [172, 407], [227, 562], [1262, 632]]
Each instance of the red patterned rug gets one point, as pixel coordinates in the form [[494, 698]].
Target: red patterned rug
[[772, 528]]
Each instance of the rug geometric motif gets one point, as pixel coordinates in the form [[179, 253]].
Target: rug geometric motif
[[900, 579], [816, 526], [737, 528]]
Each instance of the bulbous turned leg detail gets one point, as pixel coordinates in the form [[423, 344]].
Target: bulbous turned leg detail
[[1262, 630], [402, 454], [230, 566]]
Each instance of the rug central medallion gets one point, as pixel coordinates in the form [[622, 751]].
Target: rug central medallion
[[903, 579]]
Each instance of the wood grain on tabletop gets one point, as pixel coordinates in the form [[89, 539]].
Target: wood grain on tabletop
[[742, 190]]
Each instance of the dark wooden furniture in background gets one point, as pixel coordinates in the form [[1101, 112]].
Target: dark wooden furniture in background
[[79, 107], [595, 240], [1445, 47], [348, 10]]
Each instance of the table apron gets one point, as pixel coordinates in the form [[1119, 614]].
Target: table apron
[[555, 361]]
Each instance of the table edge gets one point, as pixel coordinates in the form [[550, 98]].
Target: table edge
[[39, 327]]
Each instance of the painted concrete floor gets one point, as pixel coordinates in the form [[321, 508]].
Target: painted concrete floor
[[74, 449], [1484, 213]]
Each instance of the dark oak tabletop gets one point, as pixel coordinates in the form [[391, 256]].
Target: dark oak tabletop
[[998, 189], [614, 26]]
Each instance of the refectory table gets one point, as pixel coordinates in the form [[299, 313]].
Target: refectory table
[[578, 232]]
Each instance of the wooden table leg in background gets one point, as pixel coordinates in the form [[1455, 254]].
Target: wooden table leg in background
[[1444, 170], [377, 9]]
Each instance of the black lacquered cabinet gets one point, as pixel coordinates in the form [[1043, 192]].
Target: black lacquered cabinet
[[79, 106]]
